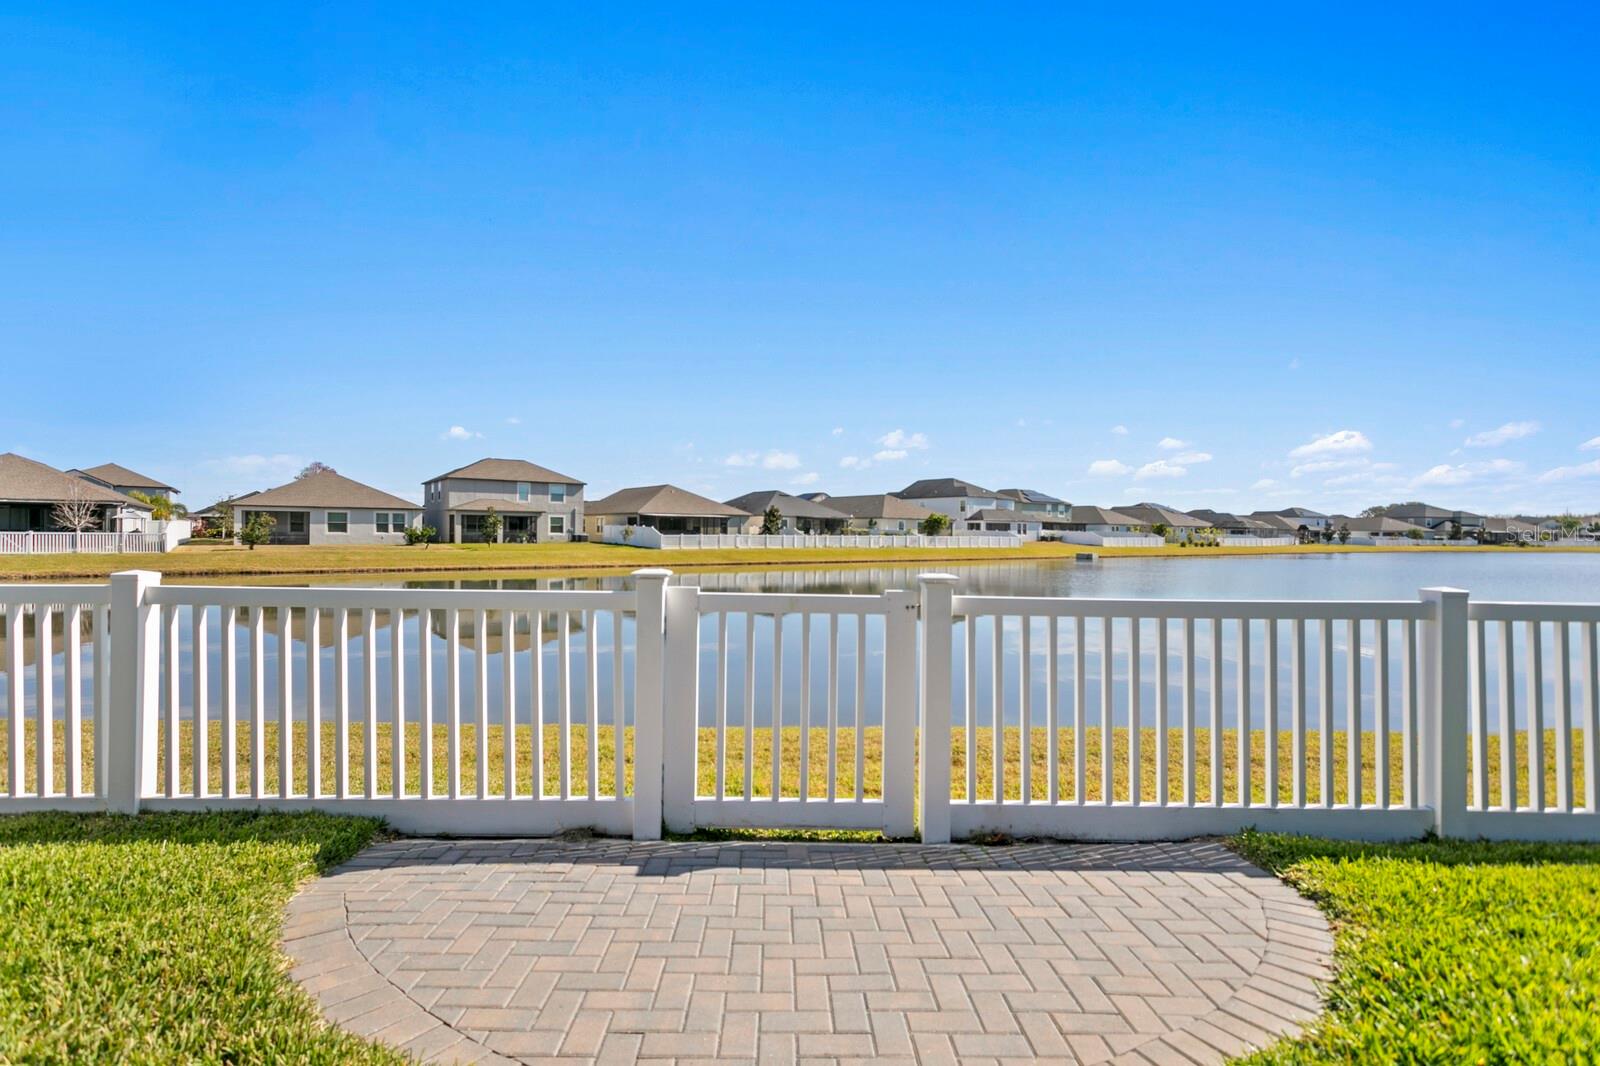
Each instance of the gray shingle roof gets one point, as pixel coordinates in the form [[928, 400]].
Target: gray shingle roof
[[1028, 496], [1151, 513], [661, 500], [1101, 516], [1002, 514], [326, 489], [1383, 524], [789, 506], [883, 507], [939, 487], [29, 481], [509, 470], [113, 474]]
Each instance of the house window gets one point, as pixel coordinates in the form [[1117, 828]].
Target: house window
[[297, 521], [558, 493], [391, 521], [338, 521], [381, 518], [558, 524], [524, 490]]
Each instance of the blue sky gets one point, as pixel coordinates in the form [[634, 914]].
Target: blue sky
[[1236, 259]]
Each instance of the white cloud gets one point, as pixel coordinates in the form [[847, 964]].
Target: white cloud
[[1121, 431], [1264, 484], [281, 465], [854, 462], [1321, 466], [899, 440], [1171, 444], [459, 433], [1567, 473], [1192, 457], [889, 455], [1109, 468], [1457, 423], [838, 431], [780, 461], [1511, 431], [773, 460], [1590, 445], [513, 421], [810, 477], [1159, 468], [1342, 442], [1462, 473]]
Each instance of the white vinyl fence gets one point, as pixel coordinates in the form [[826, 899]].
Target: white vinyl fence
[[530, 712], [647, 537], [103, 543]]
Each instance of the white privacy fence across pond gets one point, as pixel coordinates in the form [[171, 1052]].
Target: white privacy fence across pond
[[648, 537], [103, 543], [910, 711]]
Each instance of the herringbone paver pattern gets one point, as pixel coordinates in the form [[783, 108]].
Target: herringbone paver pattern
[[615, 951]]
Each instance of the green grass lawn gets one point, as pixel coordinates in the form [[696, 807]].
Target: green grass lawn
[[154, 939], [225, 560], [1449, 952]]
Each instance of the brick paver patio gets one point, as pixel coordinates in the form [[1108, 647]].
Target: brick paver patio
[[613, 951]]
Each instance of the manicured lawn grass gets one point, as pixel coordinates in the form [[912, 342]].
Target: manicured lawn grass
[[153, 939], [817, 767], [1449, 952], [222, 560]]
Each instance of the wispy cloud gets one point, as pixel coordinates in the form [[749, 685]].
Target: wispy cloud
[[1341, 442], [838, 431], [1191, 458], [854, 462], [1171, 444], [460, 433], [513, 421], [1121, 431], [1109, 468], [889, 455], [772, 460], [1511, 431], [1590, 445], [810, 477], [281, 465], [1463, 473], [900, 440], [1264, 484], [1161, 468], [1568, 473]]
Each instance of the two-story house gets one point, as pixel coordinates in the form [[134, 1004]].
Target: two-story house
[[533, 502], [954, 497], [1048, 511]]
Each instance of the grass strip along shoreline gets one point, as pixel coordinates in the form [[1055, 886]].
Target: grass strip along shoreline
[[214, 560]]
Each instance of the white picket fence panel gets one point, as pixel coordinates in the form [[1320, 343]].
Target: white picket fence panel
[[101, 543], [655, 708]]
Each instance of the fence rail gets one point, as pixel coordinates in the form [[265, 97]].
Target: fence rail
[[31, 543], [909, 711], [648, 537]]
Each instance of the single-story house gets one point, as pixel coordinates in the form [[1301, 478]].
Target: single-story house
[[1382, 528], [1296, 517], [329, 508], [534, 503], [1007, 520], [799, 515], [665, 508], [121, 479], [1180, 524], [1507, 531], [35, 497], [880, 513], [1104, 522], [1237, 526]]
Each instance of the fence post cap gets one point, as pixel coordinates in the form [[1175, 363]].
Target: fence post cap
[[937, 579], [148, 576], [653, 571], [1442, 590]]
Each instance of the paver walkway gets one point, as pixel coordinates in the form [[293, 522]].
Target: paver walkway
[[615, 951]]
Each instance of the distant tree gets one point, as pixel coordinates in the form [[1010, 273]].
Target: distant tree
[[872, 525], [1326, 535], [772, 522], [935, 525], [1455, 529], [1161, 529], [422, 535], [492, 524], [315, 467], [1380, 511], [77, 512], [1304, 534], [257, 529], [1570, 524], [1414, 534], [1344, 533]]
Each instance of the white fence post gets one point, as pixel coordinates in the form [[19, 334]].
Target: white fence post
[[899, 714], [1444, 709], [680, 741], [934, 769], [648, 700], [128, 752]]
